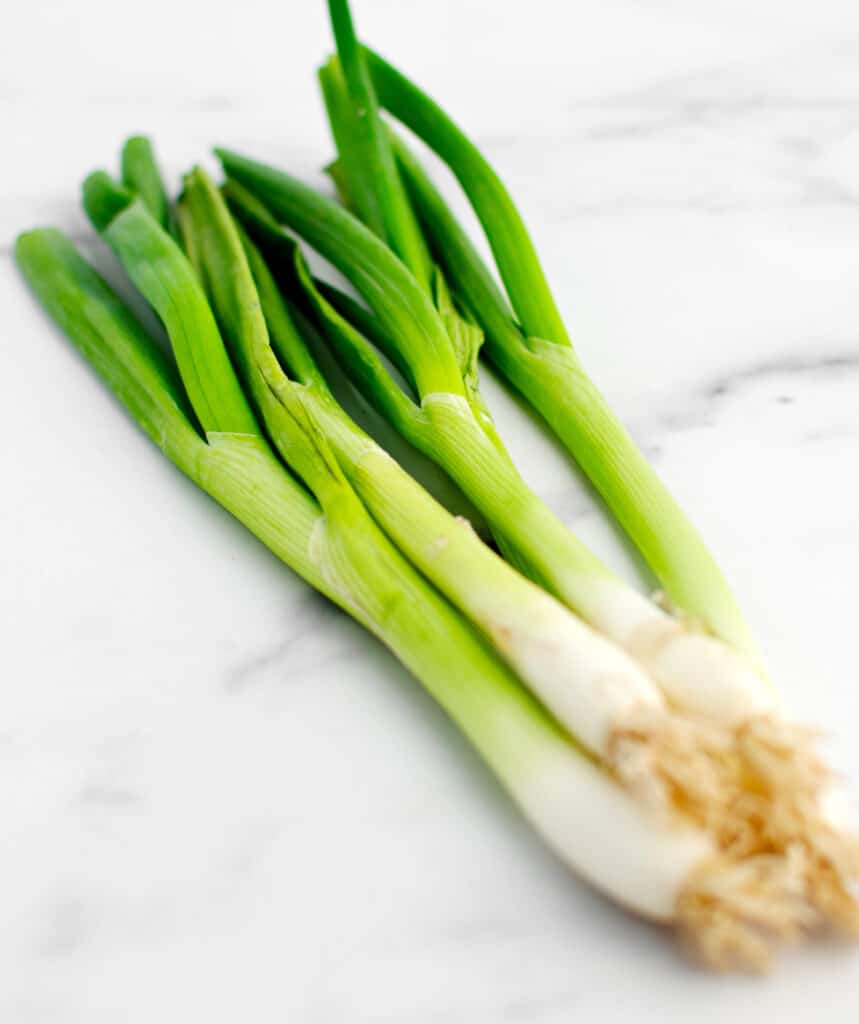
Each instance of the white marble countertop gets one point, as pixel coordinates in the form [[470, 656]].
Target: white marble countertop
[[221, 801]]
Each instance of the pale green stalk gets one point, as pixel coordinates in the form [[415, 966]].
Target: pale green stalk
[[160, 271]]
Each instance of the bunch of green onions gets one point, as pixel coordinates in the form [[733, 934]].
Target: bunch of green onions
[[643, 744]]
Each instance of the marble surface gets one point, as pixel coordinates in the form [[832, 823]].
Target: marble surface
[[221, 801]]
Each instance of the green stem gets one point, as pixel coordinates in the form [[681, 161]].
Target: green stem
[[140, 175], [363, 145], [508, 237], [280, 402], [538, 541], [159, 269]]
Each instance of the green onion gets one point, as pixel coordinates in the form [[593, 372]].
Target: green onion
[[722, 822], [661, 869]]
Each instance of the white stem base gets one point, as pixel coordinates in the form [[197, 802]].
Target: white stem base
[[604, 834]]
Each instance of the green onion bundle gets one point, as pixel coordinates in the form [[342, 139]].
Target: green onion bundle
[[644, 745]]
